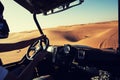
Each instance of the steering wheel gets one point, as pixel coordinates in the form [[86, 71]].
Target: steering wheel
[[39, 45]]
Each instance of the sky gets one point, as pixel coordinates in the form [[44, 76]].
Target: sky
[[90, 11]]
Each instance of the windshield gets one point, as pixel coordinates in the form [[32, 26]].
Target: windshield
[[93, 23]]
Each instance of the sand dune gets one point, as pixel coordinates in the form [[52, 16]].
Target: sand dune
[[97, 35]]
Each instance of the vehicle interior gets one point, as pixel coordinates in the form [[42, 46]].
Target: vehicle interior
[[65, 62]]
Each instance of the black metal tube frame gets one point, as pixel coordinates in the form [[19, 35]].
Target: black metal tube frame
[[37, 24]]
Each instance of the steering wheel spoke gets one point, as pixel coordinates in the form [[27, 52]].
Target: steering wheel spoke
[[32, 48]]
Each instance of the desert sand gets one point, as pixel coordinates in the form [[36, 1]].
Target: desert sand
[[97, 35]]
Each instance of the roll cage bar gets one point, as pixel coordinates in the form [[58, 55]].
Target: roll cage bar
[[45, 6]]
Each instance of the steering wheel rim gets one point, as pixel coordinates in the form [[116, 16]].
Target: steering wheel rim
[[39, 45]]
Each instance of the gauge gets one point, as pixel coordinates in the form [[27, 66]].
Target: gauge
[[66, 49], [81, 54]]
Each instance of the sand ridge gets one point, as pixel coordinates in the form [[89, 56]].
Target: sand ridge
[[97, 35]]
